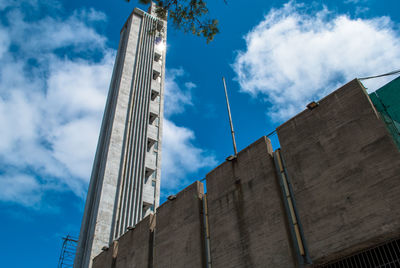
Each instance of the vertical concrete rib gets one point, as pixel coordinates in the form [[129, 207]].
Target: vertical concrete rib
[[147, 90], [143, 145], [128, 155], [132, 187], [138, 131], [125, 36], [130, 197], [141, 141], [116, 78], [134, 159], [124, 180], [138, 123]]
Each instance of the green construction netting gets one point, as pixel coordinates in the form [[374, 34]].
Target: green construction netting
[[387, 101]]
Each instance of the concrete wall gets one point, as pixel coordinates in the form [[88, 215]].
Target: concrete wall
[[246, 216], [135, 246], [177, 241], [105, 259], [345, 172], [179, 236], [133, 249]]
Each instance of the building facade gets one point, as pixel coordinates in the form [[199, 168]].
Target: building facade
[[328, 197], [125, 180]]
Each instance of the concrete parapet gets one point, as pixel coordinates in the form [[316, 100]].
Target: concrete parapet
[[179, 236], [133, 249], [246, 215], [105, 258], [345, 172]]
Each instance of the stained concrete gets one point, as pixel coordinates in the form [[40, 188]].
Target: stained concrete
[[246, 215], [133, 249], [179, 237], [104, 259], [345, 172]]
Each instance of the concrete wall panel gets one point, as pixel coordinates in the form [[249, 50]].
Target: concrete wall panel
[[345, 172], [103, 260], [133, 249], [179, 237], [246, 214]]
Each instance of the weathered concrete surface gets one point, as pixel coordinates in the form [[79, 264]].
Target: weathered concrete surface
[[179, 239], [246, 214], [135, 246], [96, 228], [133, 249], [105, 258], [345, 172]]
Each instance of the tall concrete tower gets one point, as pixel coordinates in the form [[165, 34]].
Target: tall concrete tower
[[125, 181]]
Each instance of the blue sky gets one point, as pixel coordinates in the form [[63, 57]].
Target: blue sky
[[56, 59]]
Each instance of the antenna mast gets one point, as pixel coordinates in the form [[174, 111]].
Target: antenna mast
[[230, 118]]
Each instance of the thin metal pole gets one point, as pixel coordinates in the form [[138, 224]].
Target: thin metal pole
[[230, 117]]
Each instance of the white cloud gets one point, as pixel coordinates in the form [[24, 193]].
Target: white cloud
[[293, 57], [175, 98], [5, 3], [190, 85], [50, 103], [181, 157], [90, 15], [20, 188], [354, 1], [50, 33], [361, 10], [4, 42]]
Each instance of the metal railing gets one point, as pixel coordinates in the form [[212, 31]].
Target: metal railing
[[385, 255]]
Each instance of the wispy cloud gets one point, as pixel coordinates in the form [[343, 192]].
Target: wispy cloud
[[54, 73], [354, 1], [293, 57], [54, 76], [181, 157], [20, 188], [176, 98]]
